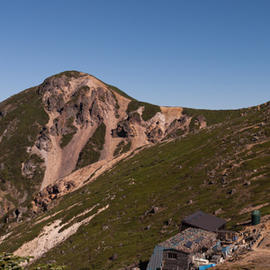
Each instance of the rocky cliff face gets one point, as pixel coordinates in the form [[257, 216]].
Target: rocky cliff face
[[85, 122]]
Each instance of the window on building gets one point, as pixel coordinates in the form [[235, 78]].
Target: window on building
[[172, 255]]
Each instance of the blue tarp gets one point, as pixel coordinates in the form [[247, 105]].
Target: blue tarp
[[226, 250], [206, 266], [217, 246]]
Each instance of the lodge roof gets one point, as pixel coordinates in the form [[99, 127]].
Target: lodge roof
[[204, 221], [190, 240]]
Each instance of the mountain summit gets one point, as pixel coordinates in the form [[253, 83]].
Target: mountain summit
[[70, 121]]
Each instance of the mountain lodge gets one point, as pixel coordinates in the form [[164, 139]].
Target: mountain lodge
[[198, 239]]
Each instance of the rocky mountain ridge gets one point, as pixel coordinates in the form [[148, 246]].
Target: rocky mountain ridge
[[87, 122]]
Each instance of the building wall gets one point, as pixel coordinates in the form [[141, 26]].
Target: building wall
[[181, 262]]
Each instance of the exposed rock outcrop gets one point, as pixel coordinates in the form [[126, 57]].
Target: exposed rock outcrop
[[77, 105]]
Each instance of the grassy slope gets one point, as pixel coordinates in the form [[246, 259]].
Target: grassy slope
[[91, 151], [212, 116], [24, 121], [167, 175], [149, 109], [66, 138], [121, 148], [120, 92]]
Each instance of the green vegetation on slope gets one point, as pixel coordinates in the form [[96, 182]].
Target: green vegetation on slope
[[11, 262], [24, 119], [212, 116], [120, 92], [66, 138], [149, 111], [91, 151], [121, 148], [209, 169]]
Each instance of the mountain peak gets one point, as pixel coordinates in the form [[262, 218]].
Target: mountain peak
[[75, 121]]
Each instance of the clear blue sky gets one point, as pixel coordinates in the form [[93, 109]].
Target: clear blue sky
[[204, 53]]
